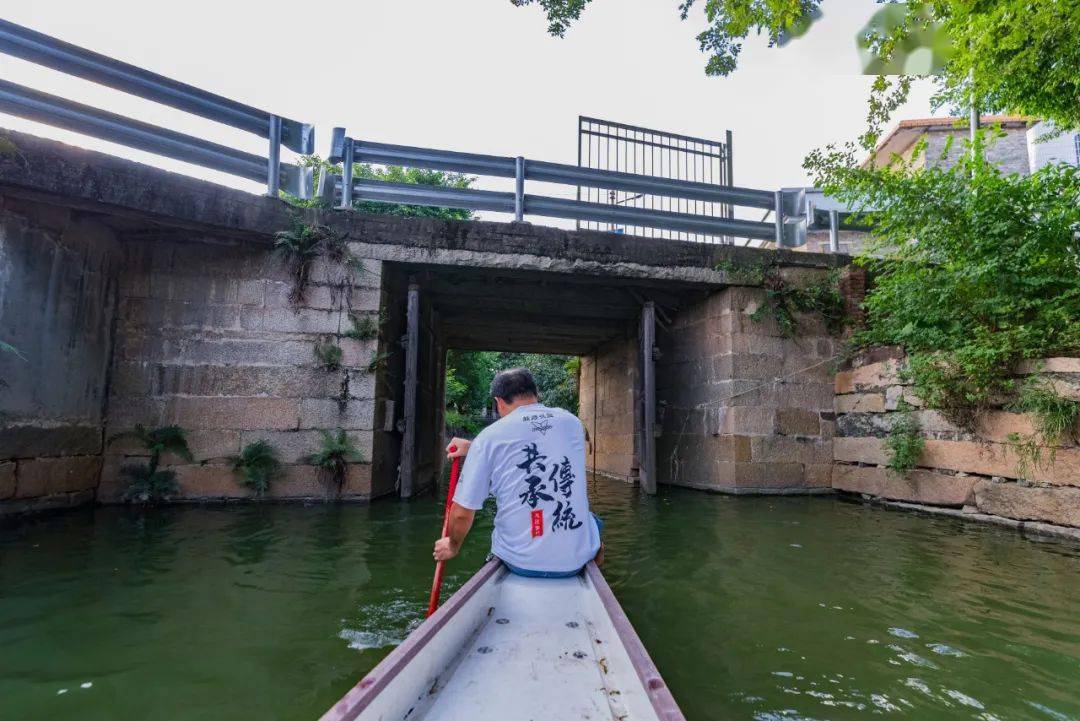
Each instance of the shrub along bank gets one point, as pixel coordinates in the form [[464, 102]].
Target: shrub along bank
[[976, 279]]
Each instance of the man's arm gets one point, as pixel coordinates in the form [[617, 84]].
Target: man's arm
[[461, 520]]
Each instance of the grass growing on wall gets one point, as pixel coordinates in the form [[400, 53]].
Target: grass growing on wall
[[1057, 419], [334, 455]]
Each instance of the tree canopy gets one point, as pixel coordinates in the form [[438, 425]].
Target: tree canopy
[[1022, 56], [392, 174], [469, 374]]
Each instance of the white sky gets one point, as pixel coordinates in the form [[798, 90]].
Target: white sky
[[472, 75]]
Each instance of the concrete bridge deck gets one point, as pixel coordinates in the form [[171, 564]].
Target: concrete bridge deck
[[140, 295]]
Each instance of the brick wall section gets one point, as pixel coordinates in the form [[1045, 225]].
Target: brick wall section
[[957, 468], [728, 423], [58, 277], [607, 406], [208, 339]]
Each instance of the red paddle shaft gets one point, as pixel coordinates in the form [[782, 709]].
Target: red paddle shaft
[[436, 585]]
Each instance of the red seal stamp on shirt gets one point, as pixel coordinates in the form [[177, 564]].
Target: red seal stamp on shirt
[[537, 523]]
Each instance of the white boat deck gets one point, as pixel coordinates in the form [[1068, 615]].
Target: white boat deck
[[538, 655], [507, 648]]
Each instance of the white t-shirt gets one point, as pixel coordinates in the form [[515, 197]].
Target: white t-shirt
[[533, 462]]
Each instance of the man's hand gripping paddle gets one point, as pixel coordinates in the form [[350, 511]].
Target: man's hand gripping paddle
[[436, 585]]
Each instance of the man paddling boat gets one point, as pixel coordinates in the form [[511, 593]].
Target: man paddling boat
[[532, 460]]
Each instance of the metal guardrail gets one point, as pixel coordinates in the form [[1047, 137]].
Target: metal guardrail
[[47, 51], [787, 228]]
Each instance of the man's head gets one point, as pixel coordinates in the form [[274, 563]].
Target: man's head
[[513, 388]]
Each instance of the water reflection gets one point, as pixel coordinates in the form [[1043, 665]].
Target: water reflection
[[754, 608]]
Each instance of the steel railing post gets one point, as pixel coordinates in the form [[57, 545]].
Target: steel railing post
[[273, 165], [519, 189], [834, 231], [778, 210], [347, 173]]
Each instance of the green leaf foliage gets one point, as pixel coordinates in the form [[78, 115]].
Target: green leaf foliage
[[167, 439], [784, 300], [973, 270], [365, 326], [1057, 419], [393, 174], [147, 484], [469, 375], [905, 442], [257, 465], [329, 354], [1024, 56], [335, 454], [300, 246]]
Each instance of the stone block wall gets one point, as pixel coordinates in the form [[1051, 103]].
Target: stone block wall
[[58, 285], [744, 409], [607, 404], [208, 338], [977, 470]]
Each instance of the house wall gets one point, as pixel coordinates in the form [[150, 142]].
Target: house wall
[[1062, 148], [1009, 152]]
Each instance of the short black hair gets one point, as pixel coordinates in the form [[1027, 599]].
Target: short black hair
[[513, 384]]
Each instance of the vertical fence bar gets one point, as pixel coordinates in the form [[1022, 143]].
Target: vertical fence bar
[[273, 165], [729, 167], [519, 189], [347, 156], [577, 223]]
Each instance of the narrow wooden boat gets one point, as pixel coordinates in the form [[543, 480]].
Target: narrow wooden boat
[[508, 648]]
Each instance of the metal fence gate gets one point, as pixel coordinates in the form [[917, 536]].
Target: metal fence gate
[[607, 145]]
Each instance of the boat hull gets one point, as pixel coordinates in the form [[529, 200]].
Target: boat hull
[[506, 647]]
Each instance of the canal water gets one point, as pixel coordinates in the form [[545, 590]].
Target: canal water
[[753, 608]]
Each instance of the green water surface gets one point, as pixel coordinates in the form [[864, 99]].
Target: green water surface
[[753, 608]]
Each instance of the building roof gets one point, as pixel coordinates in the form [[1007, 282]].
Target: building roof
[[907, 132]]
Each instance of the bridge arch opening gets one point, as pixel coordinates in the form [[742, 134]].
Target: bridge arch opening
[[431, 309]]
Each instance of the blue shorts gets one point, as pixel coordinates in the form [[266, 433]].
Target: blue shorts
[[553, 574]]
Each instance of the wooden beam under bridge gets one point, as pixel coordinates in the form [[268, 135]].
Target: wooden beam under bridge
[[407, 467], [647, 406]]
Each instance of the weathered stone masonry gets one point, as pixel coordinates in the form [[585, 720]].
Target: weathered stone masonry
[[164, 304], [58, 281], [975, 471], [728, 423]]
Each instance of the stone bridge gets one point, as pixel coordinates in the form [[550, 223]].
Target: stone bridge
[[137, 296]]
